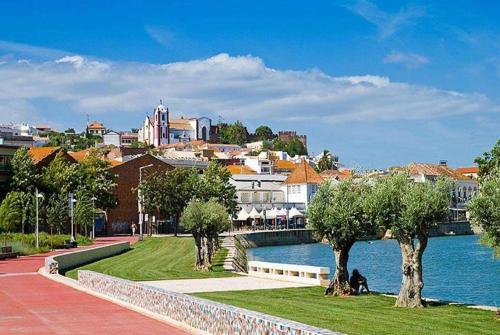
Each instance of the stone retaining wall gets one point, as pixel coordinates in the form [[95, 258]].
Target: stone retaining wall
[[205, 315], [276, 237], [62, 262]]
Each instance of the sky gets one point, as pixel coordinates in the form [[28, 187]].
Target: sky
[[379, 83]]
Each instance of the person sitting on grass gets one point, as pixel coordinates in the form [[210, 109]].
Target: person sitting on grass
[[357, 281]]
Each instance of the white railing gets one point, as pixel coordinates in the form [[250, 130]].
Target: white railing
[[305, 274]]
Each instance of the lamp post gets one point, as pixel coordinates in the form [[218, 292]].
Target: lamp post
[[93, 216], [37, 196], [72, 202], [140, 201]]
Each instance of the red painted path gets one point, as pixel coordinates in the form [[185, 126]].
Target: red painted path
[[33, 304]]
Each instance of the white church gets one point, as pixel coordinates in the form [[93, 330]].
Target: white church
[[159, 129]]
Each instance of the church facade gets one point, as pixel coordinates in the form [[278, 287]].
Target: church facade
[[159, 129]]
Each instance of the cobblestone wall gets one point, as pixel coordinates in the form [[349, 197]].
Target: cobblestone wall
[[205, 315]]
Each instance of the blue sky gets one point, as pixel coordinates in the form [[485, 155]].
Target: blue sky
[[380, 83]]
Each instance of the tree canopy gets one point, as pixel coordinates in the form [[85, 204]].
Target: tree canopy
[[293, 147], [484, 207], [214, 184], [235, 133], [409, 210], [336, 213], [490, 161], [327, 161], [263, 133], [205, 220]]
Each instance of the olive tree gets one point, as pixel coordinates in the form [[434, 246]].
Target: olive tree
[[336, 215], [484, 208], [205, 220], [409, 210]]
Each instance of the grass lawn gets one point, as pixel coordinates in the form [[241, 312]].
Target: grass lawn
[[365, 314], [156, 259]]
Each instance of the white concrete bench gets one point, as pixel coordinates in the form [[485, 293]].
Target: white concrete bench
[[305, 274]]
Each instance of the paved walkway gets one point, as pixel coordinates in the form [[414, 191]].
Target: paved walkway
[[33, 304], [241, 283]]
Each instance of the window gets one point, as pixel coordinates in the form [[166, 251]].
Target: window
[[245, 197], [163, 117], [266, 197], [255, 197]]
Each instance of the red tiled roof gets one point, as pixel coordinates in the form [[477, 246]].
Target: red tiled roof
[[304, 174], [281, 164], [40, 153], [470, 169], [415, 169], [79, 155], [240, 169], [336, 174], [96, 125]]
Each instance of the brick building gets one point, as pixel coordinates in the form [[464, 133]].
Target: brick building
[[120, 218]]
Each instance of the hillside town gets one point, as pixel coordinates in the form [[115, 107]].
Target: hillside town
[[274, 177], [250, 167]]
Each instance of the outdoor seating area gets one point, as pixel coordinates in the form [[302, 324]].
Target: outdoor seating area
[[269, 219]]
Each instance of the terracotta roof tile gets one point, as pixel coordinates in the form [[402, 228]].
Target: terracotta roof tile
[[40, 153], [79, 155], [336, 174], [304, 174], [281, 164], [471, 169], [96, 125], [240, 169], [415, 169]]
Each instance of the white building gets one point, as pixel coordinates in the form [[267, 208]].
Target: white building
[[465, 187], [160, 129], [111, 137], [302, 184]]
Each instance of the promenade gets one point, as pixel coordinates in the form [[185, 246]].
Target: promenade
[[33, 304]]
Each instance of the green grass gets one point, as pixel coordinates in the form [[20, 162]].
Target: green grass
[[365, 314], [157, 259]]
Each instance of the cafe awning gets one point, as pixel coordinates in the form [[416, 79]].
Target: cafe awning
[[254, 214], [242, 215], [294, 212]]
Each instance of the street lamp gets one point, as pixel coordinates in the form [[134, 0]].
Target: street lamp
[[72, 202], [93, 216], [140, 201], [37, 196]]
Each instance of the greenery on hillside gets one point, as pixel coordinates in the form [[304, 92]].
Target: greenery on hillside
[[155, 259], [365, 314]]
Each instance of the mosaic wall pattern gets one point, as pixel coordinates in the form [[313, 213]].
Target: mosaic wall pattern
[[212, 317]]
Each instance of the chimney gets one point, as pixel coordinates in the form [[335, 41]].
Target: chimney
[[443, 162]]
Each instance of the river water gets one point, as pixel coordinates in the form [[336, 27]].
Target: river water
[[456, 268]]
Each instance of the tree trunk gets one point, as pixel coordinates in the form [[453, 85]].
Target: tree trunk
[[339, 285], [200, 254], [410, 293], [176, 225]]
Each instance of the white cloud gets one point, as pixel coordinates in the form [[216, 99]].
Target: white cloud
[[240, 87], [387, 23], [162, 36], [410, 60]]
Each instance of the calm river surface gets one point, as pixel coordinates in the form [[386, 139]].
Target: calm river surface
[[456, 268]]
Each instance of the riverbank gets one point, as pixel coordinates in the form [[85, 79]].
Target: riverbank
[[454, 267], [365, 314]]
